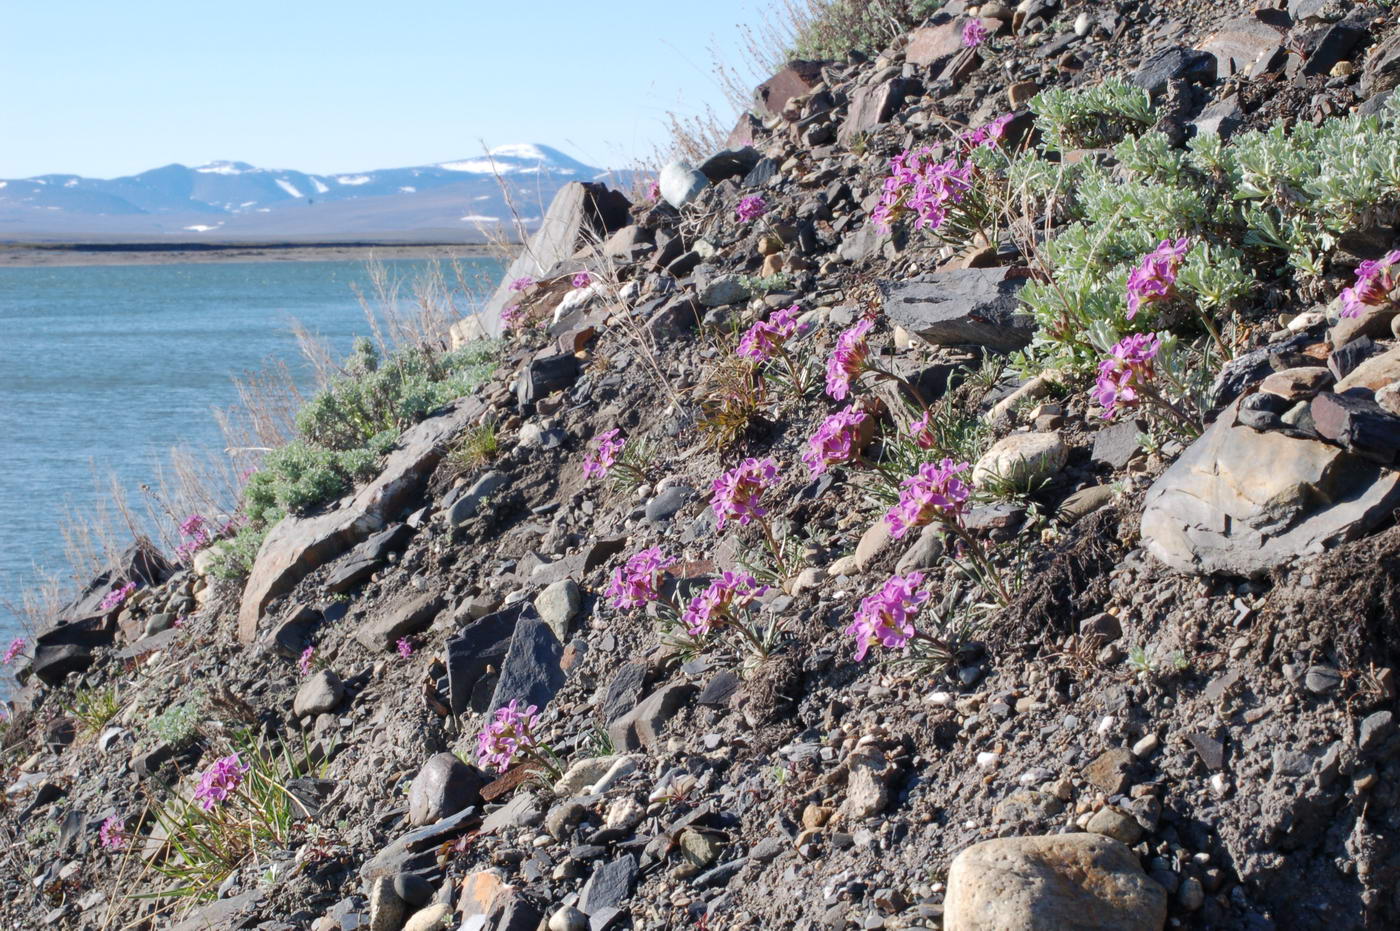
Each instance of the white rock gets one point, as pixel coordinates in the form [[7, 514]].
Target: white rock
[[680, 183]]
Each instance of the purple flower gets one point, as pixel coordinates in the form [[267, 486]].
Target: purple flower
[[636, 582], [510, 732], [596, 464], [116, 596], [1127, 368], [837, 441], [654, 190], [918, 183], [887, 615], [922, 433], [933, 493], [512, 317], [15, 648], [304, 661], [1374, 282], [974, 33], [112, 834], [991, 135], [1155, 277], [405, 647], [582, 279], [751, 208], [737, 492], [762, 339], [725, 595], [520, 284], [847, 359], [219, 781]]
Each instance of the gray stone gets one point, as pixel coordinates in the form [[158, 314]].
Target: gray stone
[[1215, 511], [663, 506], [642, 726], [444, 786], [624, 691], [726, 289], [681, 183], [1084, 502], [1052, 883], [1376, 729], [609, 886], [1171, 64], [531, 674], [568, 918], [867, 788], [796, 78], [544, 376], [925, 552], [319, 693], [386, 909], [1116, 444], [1022, 459], [385, 630], [873, 106], [1110, 822], [413, 889], [521, 811], [730, 163], [481, 644], [558, 605], [966, 306]]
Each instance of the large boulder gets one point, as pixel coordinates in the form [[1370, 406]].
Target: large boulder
[[1059, 882], [444, 786], [581, 211], [296, 546], [963, 306], [1216, 511], [796, 78]]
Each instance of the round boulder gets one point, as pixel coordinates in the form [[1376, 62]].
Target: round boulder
[[444, 786]]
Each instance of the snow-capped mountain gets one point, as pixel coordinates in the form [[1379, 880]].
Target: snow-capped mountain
[[227, 199]]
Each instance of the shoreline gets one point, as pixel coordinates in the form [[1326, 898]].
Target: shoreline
[[33, 255]]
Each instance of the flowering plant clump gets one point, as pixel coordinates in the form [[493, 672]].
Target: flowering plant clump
[[848, 359], [921, 431], [117, 596], [974, 33], [1154, 279], [582, 279], [923, 186], [886, 617], [1375, 281], [597, 463], [522, 283], [14, 649], [220, 781], [405, 647], [112, 834], [737, 492], [635, 583], [654, 190], [765, 338], [304, 661], [751, 208], [512, 317], [991, 135], [195, 530], [933, 493], [837, 441], [719, 602], [510, 733], [1124, 373]]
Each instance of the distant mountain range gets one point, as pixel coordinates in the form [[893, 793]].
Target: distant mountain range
[[449, 201]]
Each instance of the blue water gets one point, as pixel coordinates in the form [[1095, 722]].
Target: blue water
[[105, 369]]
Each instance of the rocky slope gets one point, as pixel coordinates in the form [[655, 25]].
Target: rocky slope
[[1183, 715]]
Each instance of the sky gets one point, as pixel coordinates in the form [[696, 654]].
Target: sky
[[105, 89]]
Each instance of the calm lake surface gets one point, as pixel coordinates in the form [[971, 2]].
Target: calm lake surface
[[104, 369]]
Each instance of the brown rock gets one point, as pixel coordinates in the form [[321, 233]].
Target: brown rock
[[1297, 384], [1020, 93], [798, 77], [934, 45], [1109, 770], [1375, 373], [1239, 43]]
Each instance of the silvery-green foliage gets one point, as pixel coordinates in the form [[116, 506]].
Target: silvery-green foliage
[[1092, 117]]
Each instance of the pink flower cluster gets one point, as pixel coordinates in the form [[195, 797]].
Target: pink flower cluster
[[405, 647], [112, 834], [635, 582], [582, 279], [1155, 277], [725, 595], [522, 283], [116, 596], [304, 661], [1374, 282], [597, 463], [14, 649], [918, 183], [220, 781], [512, 317], [837, 441], [1122, 374], [751, 208], [195, 531], [921, 432], [992, 135], [654, 190], [737, 492], [848, 359], [511, 731], [933, 493], [974, 33], [762, 340], [886, 617]]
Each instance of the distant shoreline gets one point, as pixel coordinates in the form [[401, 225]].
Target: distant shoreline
[[31, 254]]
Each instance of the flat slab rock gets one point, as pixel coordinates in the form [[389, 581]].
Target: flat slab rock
[[961, 307], [1052, 883], [1214, 511]]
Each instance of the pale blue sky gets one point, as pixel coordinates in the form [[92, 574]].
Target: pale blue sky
[[105, 89]]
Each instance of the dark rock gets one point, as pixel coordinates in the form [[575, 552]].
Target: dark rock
[[1245, 371], [293, 633], [141, 562], [873, 106], [464, 507], [1116, 444], [1210, 750], [609, 886], [675, 316], [763, 172], [1101, 628], [642, 726], [730, 163], [53, 663], [543, 377], [1376, 729], [1358, 424], [310, 794], [624, 691], [531, 673], [514, 913], [1263, 411], [1334, 46], [1342, 362], [444, 786], [665, 504], [382, 632], [1382, 71], [1171, 64], [479, 645], [225, 913], [972, 306], [719, 689], [413, 889]]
